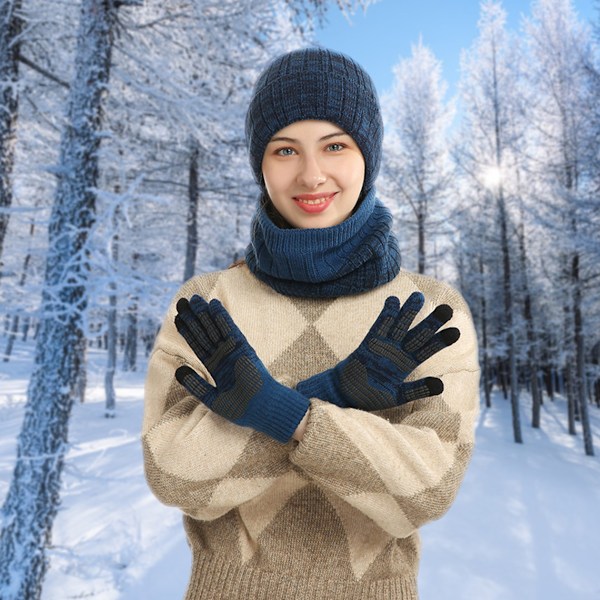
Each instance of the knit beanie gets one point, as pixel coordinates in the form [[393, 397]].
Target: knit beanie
[[319, 84]]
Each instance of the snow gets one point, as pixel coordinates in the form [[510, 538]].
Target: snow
[[524, 526]]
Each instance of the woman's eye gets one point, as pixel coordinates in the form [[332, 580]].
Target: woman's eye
[[285, 151], [335, 147]]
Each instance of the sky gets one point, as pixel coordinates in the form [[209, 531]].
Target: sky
[[379, 38]]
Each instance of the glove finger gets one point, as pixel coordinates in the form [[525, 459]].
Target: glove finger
[[193, 383], [184, 311], [195, 338], [228, 328], [406, 316], [223, 321], [191, 317], [201, 310], [198, 304], [420, 334], [384, 320], [183, 305], [232, 333], [421, 388], [438, 342], [387, 316], [196, 323]]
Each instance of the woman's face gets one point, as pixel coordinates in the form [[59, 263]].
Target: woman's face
[[313, 173]]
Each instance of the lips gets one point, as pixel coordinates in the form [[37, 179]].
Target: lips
[[314, 203]]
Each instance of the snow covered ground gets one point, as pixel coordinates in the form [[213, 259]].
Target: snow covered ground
[[525, 525]]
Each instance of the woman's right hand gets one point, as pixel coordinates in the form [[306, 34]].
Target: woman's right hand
[[245, 393]]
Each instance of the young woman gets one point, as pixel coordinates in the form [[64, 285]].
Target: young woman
[[310, 409]]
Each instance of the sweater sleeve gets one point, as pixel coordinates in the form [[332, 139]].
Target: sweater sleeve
[[401, 467], [193, 458]]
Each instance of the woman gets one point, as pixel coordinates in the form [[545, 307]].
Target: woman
[[309, 409]]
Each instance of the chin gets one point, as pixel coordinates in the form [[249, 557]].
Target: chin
[[320, 223]]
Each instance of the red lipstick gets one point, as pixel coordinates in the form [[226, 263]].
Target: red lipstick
[[314, 203]]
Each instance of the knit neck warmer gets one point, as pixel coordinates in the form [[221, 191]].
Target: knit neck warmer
[[355, 256]]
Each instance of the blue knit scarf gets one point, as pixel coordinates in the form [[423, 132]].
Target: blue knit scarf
[[355, 256]]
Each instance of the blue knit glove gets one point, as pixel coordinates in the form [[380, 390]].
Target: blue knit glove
[[373, 376], [245, 392]]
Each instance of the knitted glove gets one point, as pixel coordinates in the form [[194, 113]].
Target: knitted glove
[[245, 392], [373, 376]]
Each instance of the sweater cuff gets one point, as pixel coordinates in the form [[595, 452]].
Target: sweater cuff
[[308, 453], [281, 422]]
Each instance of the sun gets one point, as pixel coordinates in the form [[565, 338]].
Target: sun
[[492, 177]]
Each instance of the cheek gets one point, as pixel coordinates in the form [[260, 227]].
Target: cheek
[[356, 173], [275, 177]]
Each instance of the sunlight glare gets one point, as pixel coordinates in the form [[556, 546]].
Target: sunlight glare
[[492, 177]]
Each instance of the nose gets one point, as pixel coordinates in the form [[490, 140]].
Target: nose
[[311, 174]]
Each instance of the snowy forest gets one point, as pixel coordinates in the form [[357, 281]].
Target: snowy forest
[[123, 172]]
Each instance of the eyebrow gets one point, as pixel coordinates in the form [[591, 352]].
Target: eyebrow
[[294, 141]]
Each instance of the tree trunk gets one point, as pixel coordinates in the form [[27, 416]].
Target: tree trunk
[[503, 376], [12, 336], [509, 304], [509, 310], [536, 392], [32, 500], [487, 385], [111, 341], [131, 332], [191, 247], [421, 232], [580, 385], [111, 363], [571, 400], [10, 31], [130, 349], [550, 381], [25, 328]]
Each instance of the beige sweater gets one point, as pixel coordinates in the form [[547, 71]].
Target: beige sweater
[[336, 516]]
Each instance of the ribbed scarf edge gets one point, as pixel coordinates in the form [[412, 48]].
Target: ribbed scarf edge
[[355, 256]]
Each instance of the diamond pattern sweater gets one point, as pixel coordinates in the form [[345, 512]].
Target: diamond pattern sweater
[[335, 516]]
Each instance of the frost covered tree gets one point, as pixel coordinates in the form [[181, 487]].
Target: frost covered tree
[[32, 499], [417, 170], [45, 52], [488, 154], [559, 48], [11, 26]]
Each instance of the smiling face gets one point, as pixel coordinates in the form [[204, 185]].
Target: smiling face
[[313, 173]]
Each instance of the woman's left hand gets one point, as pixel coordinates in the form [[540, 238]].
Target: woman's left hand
[[373, 376]]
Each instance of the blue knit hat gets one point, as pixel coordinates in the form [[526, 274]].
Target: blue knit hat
[[320, 84]]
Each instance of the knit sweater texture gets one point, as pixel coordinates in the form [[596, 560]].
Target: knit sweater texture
[[335, 516]]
